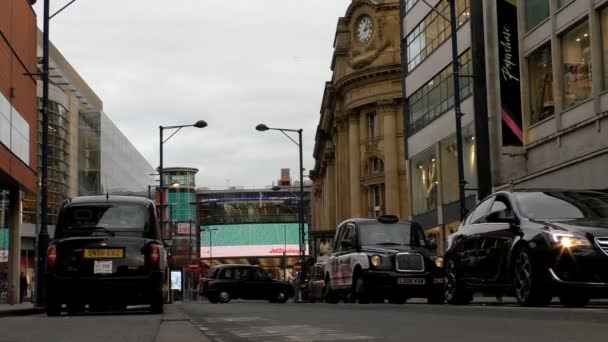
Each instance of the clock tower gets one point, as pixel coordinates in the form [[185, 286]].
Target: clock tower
[[359, 149]]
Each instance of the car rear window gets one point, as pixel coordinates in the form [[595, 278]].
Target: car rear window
[[118, 219]]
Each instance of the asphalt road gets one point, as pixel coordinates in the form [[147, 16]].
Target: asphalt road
[[261, 321]]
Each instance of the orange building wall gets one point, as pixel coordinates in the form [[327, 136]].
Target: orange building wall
[[18, 56]]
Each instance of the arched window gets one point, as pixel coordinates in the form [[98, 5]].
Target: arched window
[[376, 166]]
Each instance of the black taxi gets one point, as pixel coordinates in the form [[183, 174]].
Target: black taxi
[[383, 258], [107, 252]]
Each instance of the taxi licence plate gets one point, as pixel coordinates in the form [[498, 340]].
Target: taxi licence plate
[[104, 253], [411, 281]]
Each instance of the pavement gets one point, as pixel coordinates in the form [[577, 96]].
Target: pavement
[[19, 309], [261, 321], [136, 324]]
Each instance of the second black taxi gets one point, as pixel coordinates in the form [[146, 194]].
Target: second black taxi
[[384, 258], [226, 282]]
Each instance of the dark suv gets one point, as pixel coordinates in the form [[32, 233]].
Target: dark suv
[[384, 258], [107, 251], [225, 282]]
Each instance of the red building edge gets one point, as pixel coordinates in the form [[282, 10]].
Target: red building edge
[[18, 131]]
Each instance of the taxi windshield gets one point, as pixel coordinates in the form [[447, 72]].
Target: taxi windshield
[[109, 219], [397, 234]]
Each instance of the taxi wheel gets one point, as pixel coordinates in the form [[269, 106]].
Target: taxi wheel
[[436, 297], [281, 297], [329, 295], [224, 297], [156, 307], [53, 308], [74, 309], [397, 299], [359, 293]]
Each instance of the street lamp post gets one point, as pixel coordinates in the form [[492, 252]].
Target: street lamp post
[[457, 100], [262, 128], [43, 234], [198, 124], [211, 246]]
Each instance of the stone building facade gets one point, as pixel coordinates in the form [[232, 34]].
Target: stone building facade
[[359, 148]]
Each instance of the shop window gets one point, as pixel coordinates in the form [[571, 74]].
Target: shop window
[[576, 57], [374, 126], [536, 12], [604, 21], [541, 84], [433, 31], [424, 182], [449, 165]]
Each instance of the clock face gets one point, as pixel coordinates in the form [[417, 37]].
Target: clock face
[[365, 29]]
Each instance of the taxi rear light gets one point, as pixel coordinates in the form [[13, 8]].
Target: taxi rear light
[[51, 260], [209, 283], [155, 256]]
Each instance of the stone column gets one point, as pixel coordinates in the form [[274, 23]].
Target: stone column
[[332, 198], [342, 174], [387, 110], [355, 165], [14, 256]]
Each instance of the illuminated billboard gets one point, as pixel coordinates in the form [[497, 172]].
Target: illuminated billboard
[[250, 240]]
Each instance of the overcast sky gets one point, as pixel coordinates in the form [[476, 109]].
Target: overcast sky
[[232, 63]]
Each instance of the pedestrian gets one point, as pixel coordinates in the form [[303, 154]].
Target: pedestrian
[[22, 286]]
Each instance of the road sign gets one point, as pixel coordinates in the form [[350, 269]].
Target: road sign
[[194, 265], [297, 267]]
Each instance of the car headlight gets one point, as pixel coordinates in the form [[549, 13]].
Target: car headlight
[[376, 260], [567, 240], [439, 262]]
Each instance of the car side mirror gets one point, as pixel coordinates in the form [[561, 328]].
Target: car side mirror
[[346, 244], [168, 243], [432, 244]]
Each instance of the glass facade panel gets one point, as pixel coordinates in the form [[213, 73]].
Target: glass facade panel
[[433, 31], [58, 158], [437, 96], [576, 58], [89, 154], [604, 23], [449, 165], [424, 182], [541, 84], [536, 12], [409, 4]]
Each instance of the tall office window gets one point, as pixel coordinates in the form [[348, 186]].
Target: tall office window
[[576, 58], [437, 96], [536, 12], [373, 124], [562, 3], [433, 31], [604, 21], [541, 84]]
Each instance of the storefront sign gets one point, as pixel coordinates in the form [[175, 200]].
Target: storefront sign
[[508, 46], [3, 256], [184, 228], [248, 251]]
